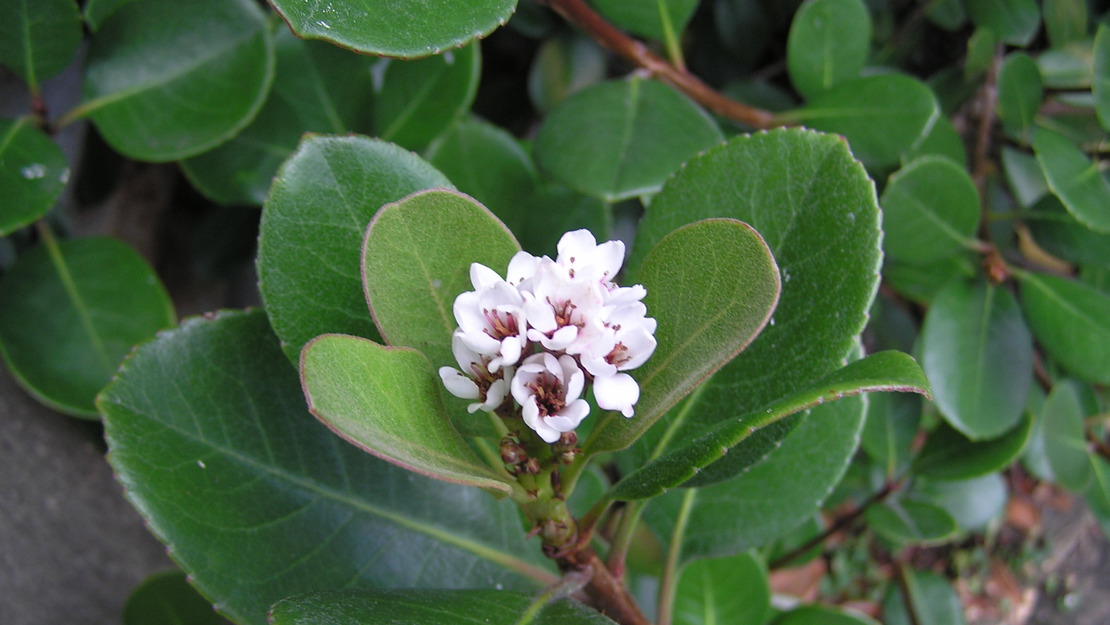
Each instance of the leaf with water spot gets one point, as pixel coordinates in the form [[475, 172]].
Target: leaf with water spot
[[34, 174]]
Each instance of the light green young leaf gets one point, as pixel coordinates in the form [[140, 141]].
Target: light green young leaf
[[930, 209], [711, 286], [69, 315], [384, 28], [1065, 21], [733, 590], [38, 38], [1074, 178], [1065, 439], [1067, 67], [416, 261], [972, 504], [622, 139], [386, 401], [33, 175], [978, 355], [321, 202], [828, 44], [431, 607], [151, 62], [210, 419], [1072, 321], [419, 100]]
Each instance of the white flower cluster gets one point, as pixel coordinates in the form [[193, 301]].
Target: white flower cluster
[[547, 329]]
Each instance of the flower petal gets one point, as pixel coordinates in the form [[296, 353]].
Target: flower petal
[[458, 384], [617, 392]]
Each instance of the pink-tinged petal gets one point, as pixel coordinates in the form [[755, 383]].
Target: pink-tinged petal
[[627, 294], [617, 392], [482, 276], [458, 384], [639, 346], [597, 365]]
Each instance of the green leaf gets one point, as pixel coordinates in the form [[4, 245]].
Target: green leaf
[[732, 590], [313, 226], [70, 312], [1065, 21], [167, 597], [386, 401], [1098, 493], [711, 286], [417, 259], [430, 607], [96, 11], [1020, 91], [908, 521], [823, 615], [151, 62], [1071, 320], [419, 100], [933, 601], [33, 174], [621, 139], [1100, 82], [258, 501], [885, 371], [1025, 176], [921, 283], [1012, 21], [978, 355], [949, 455], [564, 63], [1061, 235], [892, 424], [489, 164], [816, 209], [554, 209], [777, 493], [38, 38], [1074, 178], [1067, 67], [828, 44], [881, 116], [1065, 440], [948, 14], [971, 503], [317, 88], [941, 140], [654, 19], [930, 209], [382, 27]]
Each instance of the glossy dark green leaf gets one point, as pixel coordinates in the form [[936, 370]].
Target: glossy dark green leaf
[[1012, 21], [621, 139], [816, 209], [777, 493], [419, 100], [908, 521], [1065, 21], [881, 116], [828, 44], [429, 607], [564, 64], [885, 371], [978, 355], [1100, 82], [165, 598], [1020, 91], [490, 165], [948, 14], [981, 47], [941, 140], [417, 259], [151, 62], [930, 209], [933, 601], [655, 19], [208, 431], [69, 315], [1025, 176], [1071, 320], [382, 27], [386, 400], [313, 226], [921, 283], [711, 286], [38, 38], [732, 590], [1074, 178], [823, 615], [949, 455], [971, 503], [892, 424], [1061, 235], [317, 88], [1065, 440], [554, 209], [33, 173]]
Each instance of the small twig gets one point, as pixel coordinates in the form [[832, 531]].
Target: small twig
[[605, 593], [907, 597], [988, 98], [840, 524], [583, 17], [1099, 446]]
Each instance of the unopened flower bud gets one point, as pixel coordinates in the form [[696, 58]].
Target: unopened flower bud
[[530, 466], [568, 440], [511, 452]]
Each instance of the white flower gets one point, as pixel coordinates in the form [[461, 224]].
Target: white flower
[[584, 258], [563, 313], [489, 387], [548, 390], [491, 318]]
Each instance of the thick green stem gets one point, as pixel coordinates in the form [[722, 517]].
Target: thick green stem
[[668, 585]]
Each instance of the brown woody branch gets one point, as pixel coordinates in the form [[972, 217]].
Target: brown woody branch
[[605, 592]]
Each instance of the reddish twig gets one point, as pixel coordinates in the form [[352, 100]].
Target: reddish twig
[[605, 592]]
